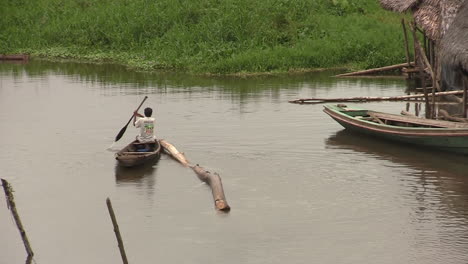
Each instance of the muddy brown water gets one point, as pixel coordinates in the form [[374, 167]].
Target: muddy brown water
[[301, 189]]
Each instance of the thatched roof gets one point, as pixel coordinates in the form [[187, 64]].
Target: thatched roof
[[454, 45], [427, 17], [433, 16], [399, 6]]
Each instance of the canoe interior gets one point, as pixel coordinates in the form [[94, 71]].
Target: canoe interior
[[443, 135], [395, 120], [137, 153]]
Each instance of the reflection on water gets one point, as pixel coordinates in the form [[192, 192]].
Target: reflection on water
[[301, 193], [117, 79], [411, 156], [446, 177], [135, 174]]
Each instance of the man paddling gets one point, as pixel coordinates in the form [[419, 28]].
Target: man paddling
[[146, 125]]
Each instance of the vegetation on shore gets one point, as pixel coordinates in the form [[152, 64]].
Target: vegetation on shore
[[206, 36]]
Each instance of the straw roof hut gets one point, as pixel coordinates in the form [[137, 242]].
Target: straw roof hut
[[444, 22], [432, 16], [454, 51]]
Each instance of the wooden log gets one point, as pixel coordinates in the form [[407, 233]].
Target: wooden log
[[214, 181], [369, 99], [169, 148], [447, 116], [117, 231], [12, 206], [371, 71]]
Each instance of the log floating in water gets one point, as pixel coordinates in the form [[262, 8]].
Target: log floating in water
[[212, 179], [369, 99], [169, 148], [371, 71], [12, 206]]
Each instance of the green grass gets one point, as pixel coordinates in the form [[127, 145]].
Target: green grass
[[206, 36]]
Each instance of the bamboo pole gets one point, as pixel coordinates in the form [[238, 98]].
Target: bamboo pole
[[12, 206], [370, 71], [405, 34], [212, 179], [370, 99], [117, 231]]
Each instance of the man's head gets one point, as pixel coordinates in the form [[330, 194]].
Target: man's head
[[148, 112]]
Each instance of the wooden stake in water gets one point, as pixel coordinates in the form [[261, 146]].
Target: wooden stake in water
[[11, 205], [117, 231]]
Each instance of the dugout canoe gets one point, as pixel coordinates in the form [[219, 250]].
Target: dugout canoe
[[437, 134], [136, 153]]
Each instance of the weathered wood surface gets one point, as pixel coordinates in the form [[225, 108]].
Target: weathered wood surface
[[130, 157], [417, 120], [212, 179], [406, 113], [447, 116], [12, 206], [169, 148], [376, 118], [372, 71], [369, 98], [117, 231]]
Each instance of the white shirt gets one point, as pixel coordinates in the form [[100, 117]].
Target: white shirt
[[146, 125]]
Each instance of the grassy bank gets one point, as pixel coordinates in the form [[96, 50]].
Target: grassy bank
[[206, 36]]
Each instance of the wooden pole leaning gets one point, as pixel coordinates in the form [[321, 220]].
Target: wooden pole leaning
[[422, 53], [117, 231], [406, 42], [465, 88], [12, 206], [212, 179], [423, 84]]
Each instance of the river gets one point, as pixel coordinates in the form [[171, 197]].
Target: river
[[301, 189]]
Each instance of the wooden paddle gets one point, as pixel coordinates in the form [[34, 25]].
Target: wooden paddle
[[122, 131]]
